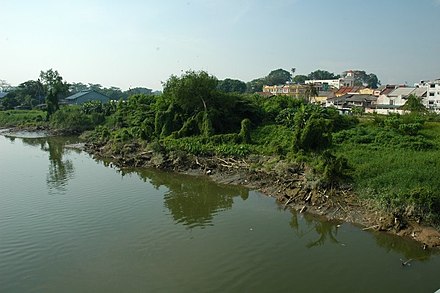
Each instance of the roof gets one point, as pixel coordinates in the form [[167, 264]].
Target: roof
[[361, 98], [327, 94], [348, 89], [78, 95], [401, 91], [420, 92]]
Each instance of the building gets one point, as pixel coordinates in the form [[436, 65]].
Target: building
[[392, 101], [86, 96], [432, 99], [328, 84], [347, 102], [344, 90], [293, 90]]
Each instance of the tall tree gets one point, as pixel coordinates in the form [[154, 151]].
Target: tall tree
[[55, 89], [310, 92], [278, 77]]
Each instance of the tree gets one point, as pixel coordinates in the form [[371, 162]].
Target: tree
[[255, 86], [414, 104], [322, 75], [4, 86], [361, 78], [372, 81], [278, 76], [55, 89], [231, 86], [310, 92], [193, 91], [300, 79]]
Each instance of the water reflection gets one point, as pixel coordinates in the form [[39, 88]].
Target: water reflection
[[192, 201], [407, 248], [60, 169], [327, 231]]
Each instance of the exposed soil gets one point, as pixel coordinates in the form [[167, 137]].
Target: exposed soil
[[290, 185]]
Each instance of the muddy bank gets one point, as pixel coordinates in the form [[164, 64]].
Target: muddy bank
[[290, 185]]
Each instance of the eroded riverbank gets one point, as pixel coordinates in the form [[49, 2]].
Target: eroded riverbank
[[290, 185]]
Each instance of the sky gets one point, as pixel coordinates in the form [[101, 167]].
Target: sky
[[134, 43]]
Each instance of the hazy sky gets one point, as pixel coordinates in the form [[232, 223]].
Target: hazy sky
[[141, 43]]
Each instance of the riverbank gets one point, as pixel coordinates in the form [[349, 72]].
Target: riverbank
[[291, 185]]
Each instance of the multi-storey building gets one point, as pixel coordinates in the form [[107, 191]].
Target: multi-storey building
[[432, 99]]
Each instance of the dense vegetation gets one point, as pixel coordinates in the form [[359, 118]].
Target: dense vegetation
[[391, 159]]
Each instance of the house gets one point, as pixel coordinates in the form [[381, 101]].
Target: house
[[392, 101], [294, 90], [2, 95], [384, 90], [322, 97], [348, 90], [348, 101], [327, 84], [86, 96]]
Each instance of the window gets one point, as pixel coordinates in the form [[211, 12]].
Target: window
[[432, 85], [431, 94]]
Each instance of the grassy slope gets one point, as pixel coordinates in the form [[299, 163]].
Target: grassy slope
[[395, 174]]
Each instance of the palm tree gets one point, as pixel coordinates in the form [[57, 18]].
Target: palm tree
[[310, 92]]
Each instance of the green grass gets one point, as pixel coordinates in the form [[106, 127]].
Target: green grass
[[395, 174], [13, 118]]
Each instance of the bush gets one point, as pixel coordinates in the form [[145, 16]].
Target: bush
[[71, 119]]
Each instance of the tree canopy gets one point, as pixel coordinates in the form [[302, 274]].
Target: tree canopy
[[55, 89], [322, 75], [231, 86], [363, 78]]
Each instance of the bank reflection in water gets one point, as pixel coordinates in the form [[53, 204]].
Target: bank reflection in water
[[326, 231], [193, 201], [60, 170]]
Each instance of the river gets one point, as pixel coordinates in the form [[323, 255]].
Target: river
[[69, 223]]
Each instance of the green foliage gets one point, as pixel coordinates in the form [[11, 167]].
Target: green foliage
[[321, 74], [231, 86], [14, 118], [380, 137], [392, 167], [278, 76], [333, 169], [71, 119], [312, 130], [272, 139], [245, 131], [414, 105], [55, 89]]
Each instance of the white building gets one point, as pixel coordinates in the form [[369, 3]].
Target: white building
[[393, 101], [432, 99], [327, 84]]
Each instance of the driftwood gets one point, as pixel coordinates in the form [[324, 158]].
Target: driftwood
[[371, 227]]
